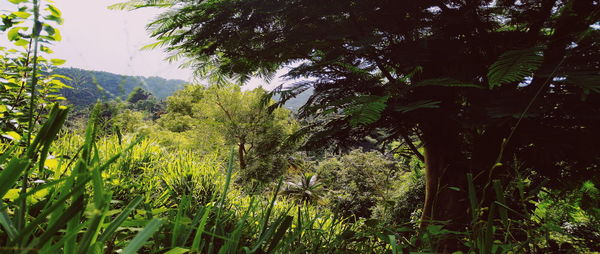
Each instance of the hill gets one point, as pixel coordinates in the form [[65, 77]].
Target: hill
[[91, 86]]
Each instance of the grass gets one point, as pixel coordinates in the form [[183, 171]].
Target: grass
[[90, 195]]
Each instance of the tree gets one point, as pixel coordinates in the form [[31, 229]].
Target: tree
[[138, 94], [357, 182], [242, 119], [28, 91], [478, 82]]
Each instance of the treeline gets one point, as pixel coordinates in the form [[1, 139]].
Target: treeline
[[88, 87]]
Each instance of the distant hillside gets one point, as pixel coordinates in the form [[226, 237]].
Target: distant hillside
[[91, 86], [295, 103]]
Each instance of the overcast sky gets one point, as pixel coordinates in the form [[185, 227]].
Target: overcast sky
[[96, 38]]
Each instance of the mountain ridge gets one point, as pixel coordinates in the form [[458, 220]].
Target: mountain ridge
[[89, 86]]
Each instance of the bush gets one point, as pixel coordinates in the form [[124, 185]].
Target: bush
[[356, 182]]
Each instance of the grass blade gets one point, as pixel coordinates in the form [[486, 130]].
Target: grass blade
[[140, 239], [10, 175], [112, 227]]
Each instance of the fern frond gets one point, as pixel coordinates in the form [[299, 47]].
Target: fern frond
[[449, 82], [366, 109], [137, 4], [418, 105], [588, 81], [514, 66]]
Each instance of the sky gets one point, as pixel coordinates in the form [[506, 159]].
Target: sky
[[95, 38]]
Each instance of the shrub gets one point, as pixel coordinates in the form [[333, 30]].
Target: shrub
[[356, 181]]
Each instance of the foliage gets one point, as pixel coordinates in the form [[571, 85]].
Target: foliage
[[402, 205], [239, 118], [138, 94], [91, 86], [477, 82], [124, 183], [356, 182], [24, 78], [306, 188]]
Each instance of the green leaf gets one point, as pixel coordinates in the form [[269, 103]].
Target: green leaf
[[418, 105], [10, 174], [366, 109], [3, 108], [62, 220], [449, 82], [49, 29], [21, 14], [283, 227], [177, 250], [17, 1], [55, 11], [55, 18], [58, 61], [46, 49], [21, 43], [13, 33], [514, 66], [112, 227], [7, 224], [201, 226], [12, 135], [140, 239], [57, 36], [12, 194]]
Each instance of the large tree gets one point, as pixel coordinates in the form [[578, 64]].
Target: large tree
[[479, 82]]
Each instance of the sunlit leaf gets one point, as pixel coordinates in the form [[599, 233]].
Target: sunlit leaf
[[21, 42], [13, 33], [51, 164], [21, 14], [12, 135], [17, 1], [58, 61], [55, 11], [12, 194]]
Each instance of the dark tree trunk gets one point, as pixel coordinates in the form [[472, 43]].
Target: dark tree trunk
[[241, 153], [445, 191], [448, 159]]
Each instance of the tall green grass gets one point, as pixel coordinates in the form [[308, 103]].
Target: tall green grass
[[97, 195]]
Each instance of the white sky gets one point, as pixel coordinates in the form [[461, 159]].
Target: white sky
[[96, 38]]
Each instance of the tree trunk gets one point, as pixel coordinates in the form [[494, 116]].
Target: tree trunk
[[241, 152], [446, 186]]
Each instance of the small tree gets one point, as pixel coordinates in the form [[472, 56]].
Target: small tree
[[243, 120]]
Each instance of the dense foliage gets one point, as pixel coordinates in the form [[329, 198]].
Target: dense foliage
[[426, 130], [480, 83]]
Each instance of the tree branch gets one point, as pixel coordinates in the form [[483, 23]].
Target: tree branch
[[412, 146]]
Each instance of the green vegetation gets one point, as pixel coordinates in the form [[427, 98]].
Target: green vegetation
[[90, 86], [428, 128]]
